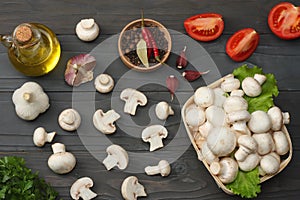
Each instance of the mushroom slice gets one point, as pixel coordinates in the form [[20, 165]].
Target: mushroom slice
[[131, 188], [104, 122], [81, 189], [132, 98], [154, 135], [104, 83], [117, 156], [69, 119]]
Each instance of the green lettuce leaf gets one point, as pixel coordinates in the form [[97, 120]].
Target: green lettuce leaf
[[246, 184], [269, 89]]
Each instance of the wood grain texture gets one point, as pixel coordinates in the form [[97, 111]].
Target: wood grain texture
[[189, 178]]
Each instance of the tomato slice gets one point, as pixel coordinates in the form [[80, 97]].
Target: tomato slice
[[284, 21], [204, 27], [242, 44]]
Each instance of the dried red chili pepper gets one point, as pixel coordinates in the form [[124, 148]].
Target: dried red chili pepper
[[146, 37]]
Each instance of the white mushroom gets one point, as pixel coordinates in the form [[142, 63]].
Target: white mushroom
[[87, 30], [239, 120], [30, 100], [269, 164], [40, 136], [252, 85], [163, 168], [205, 128], [259, 122], [265, 143], [250, 162], [230, 83], [104, 83], [239, 93], [195, 117], [154, 135], [69, 119], [163, 110], [221, 141], [117, 156], [104, 122], [131, 189], [132, 99], [226, 169], [247, 145], [281, 142], [235, 103], [215, 115], [61, 162], [207, 154], [278, 118], [204, 96], [81, 189], [220, 97]]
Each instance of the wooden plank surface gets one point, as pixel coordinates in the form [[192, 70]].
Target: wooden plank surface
[[189, 178]]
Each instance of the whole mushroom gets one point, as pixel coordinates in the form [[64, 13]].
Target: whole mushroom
[[163, 168], [238, 120], [226, 169], [69, 119], [215, 115], [104, 122], [154, 135], [281, 142], [40, 136], [230, 83], [265, 143], [117, 156], [61, 162], [163, 110], [250, 162], [87, 30], [131, 189], [235, 103], [278, 118], [132, 98], [30, 100], [259, 122], [270, 164], [207, 154], [247, 145], [104, 83], [81, 189], [252, 85], [195, 117], [204, 96]]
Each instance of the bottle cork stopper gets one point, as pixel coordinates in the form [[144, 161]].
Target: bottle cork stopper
[[23, 34]]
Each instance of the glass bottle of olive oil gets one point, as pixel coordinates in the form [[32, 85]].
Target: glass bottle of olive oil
[[33, 49]]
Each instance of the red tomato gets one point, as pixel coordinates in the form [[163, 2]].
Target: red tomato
[[284, 21], [242, 44], [204, 27]]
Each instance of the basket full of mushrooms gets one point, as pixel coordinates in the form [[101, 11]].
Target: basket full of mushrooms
[[229, 139]]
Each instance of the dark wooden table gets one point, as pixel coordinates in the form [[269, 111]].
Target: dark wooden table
[[189, 178]]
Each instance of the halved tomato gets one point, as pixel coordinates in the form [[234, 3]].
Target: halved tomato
[[204, 27], [284, 21], [242, 44]]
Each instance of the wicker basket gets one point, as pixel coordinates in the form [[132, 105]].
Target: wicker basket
[[283, 164]]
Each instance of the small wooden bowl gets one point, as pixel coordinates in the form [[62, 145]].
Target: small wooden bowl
[[148, 23]]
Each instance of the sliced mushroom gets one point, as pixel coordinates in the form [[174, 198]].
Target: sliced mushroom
[[204, 96], [252, 85], [117, 156], [104, 83], [40, 136], [230, 83], [278, 118], [247, 145], [226, 169], [104, 122], [163, 168], [281, 142], [259, 122], [81, 189], [131, 189], [163, 110], [69, 119], [265, 143], [132, 99], [154, 135]]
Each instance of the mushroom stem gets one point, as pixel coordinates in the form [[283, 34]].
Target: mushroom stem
[[27, 96], [155, 142], [50, 136], [110, 162], [260, 78], [103, 79], [87, 194], [58, 148], [286, 117]]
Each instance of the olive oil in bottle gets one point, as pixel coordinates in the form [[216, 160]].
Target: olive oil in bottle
[[34, 49]]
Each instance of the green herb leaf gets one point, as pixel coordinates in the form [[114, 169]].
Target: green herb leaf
[[246, 184], [141, 50], [18, 182], [269, 89]]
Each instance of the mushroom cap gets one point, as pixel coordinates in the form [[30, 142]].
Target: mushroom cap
[[104, 83], [215, 115], [104, 122], [221, 141], [117, 154], [131, 189], [87, 30], [165, 168], [84, 182], [40, 136], [219, 97], [230, 84], [259, 122], [163, 110], [62, 162], [247, 145], [195, 117], [132, 98], [281, 142], [241, 115], [251, 87], [69, 119], [235, 103], [269, 164], [204, 96], [265, 143], [276, 117], [226, 169], [207, 154], [35, 103], [251, 161]]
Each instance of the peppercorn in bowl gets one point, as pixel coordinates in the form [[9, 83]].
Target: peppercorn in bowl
[[144, 45]]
